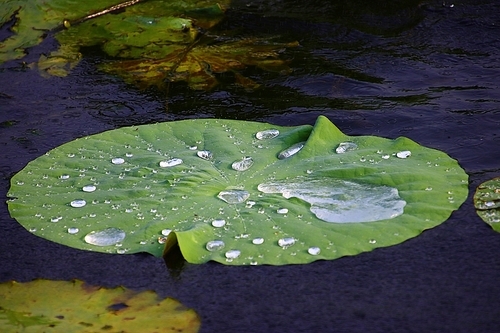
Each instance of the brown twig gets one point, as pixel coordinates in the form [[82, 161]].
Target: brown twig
[[67, 23]]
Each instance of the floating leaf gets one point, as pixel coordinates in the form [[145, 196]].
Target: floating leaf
[[34, 18], [72, 306], [298, 201], [487, 202], [142, 29], [149, 43]]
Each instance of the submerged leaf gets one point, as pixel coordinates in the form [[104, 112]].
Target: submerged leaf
[[487, 202], [148, 44], [72, 306], [199, 66], [226, 191]]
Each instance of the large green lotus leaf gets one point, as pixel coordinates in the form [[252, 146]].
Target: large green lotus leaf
[[487, 202], [72, 306], [242, 202]]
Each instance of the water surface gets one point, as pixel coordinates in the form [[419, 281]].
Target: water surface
[[426, 70]]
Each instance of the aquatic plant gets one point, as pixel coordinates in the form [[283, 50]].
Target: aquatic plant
[[148, 43], [73, 306], [236, 192], [487, 202]]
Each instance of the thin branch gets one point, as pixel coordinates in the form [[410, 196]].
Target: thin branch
[[66, 23]]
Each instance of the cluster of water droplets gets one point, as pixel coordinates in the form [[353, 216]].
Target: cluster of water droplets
[[487, 201], [348, 146], [114, 236], [85, 202]]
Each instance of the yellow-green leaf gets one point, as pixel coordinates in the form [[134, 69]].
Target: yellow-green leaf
[[73, 306]]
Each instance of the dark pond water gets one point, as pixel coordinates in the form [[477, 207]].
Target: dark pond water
[[428, 70]]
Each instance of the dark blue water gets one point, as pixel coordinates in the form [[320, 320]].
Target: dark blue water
[[429, 71]]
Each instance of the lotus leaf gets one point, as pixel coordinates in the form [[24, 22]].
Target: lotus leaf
[[487, 202], [73, 306], [150, 42], [236, 192], [146, 24]]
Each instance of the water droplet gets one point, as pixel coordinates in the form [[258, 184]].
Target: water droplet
[[129, 154], [386, 156], [340, 201], [78, 203], [205, 154], [428, 188], [345, 147], [242, 165], [215, 245], [193, 147], [117, 160], [233, 196], [121, 251], [233, 254], [89, 188], [267, 134], [292, 150], [286, 242], [258, 240], [64, 177], [489, 204], [166, 232], [249, 204], [56, 219], [106, 237], [282, 211], [314, 251], [372, 241], [170, 163], [219, 223], [403, 154], [73, 230]]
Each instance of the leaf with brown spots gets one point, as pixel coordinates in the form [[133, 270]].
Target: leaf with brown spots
[[73, 306]]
